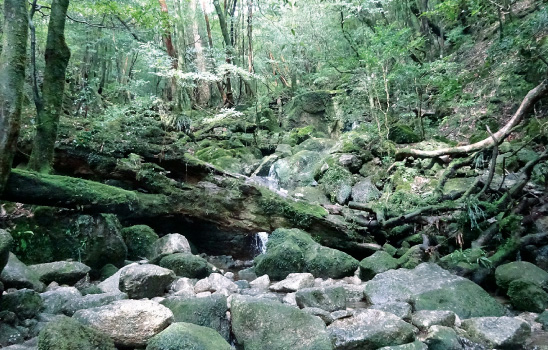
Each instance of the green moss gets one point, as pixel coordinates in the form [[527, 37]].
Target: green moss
[[299, 135], [402, 134], [337, 184], [187, 336], [299, 214], [139, 240], [65, 333], [186, 265]]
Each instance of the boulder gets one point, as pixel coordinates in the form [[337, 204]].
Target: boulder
[[186, 265], [107, 271], [25, 303], [443, 338], [10, 334], [351, 162], [337, 182], [6, 242], [370, 330], [187, 336], [526, 295], [498, 332], [424, 319], [543, 319], [401, 133], [293, 250], [90, 301], [416, 345], [331, 298], [123, 322], [261, 282], [55, 300], [293, 282], [62, 272], [169, 244], [400, 309], [520, 270], [182, 287], [269, 325], [247, 274], [65, 333], [111, 284], [314, 108], [18, 275], [377, 263], [429, 287], [145, 281], [321, 313], [139, 240], [364, 191], [297, 170], [208, 312]]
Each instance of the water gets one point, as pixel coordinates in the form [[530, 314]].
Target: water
[[260, 242]]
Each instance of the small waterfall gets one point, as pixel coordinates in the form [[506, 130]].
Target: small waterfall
[[259, 244]]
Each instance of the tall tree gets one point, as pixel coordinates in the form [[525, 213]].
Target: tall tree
[[57, 56], [12, 75], [228, 48], [203, 93], [210, 43]]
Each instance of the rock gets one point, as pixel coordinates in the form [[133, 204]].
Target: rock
[[247, 274], [541, 259], [400, 309], [290, 299], [314, 109], [520, 270], [219, 282], [327, 298], [25, 303], [242, 284], [65, 333], [351, 162], [526, 295], [337, 184], [353, 292], [186, 265], [401, 133], [261, 282], [293, 250], [62, 272], [321, 313], [497, 332], [6, 242], [377, 263], [182, 287], [294, 282], [443, 338], [264, 324], [416, 345], [412, 258], [10, 335], [55, 300], [169, 244], [187, 336], [107, 271], [429, 287], [297, 170], [208, 312], [543, 319], [91, 300], [370, 329], [364, 191], [111, 284], [424, 319], [145, 281], [123, 322], [18, 275], [139, 240]]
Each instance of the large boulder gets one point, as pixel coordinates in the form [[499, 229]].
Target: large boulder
[[527, 296], [55, 300], [5, 245], [62, 272], [112, 284], [208, 312], [186, 265], [443, 338], [429, 287], [369, 330], [260, 324], [377, 263], [187, 336], [498, 332], [364, 191], [65, 333], [145, 281], [25, 303], [18, 275], [139, 240], [123, 320], [424, 319], [330, 298], [169, 244], [336, 182], [520, 270], [401, 133], [90, 301], [297, 170], [293, 250], [293, 282], [314, 108]]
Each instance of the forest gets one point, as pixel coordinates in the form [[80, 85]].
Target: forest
[[274, 174]]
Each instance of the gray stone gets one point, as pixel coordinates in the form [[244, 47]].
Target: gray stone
[[520, 270], [443, 338], [186, 265], [65, 333], [497, 332], [321, 313], [219, 282], [145, 281], [123, 322], [169, 244], [10, 335], [297, 170], [18, 275], [55, 300], [91, 300], [377, 263], [247, 274], [111, 284], [62, 272], [331, 298], [364, 191], [182, 287], [543, 319], [260, 282], [400, 309], [293, 282], [424, 319], [187, 336], [25, 303], [351, 162], [6, 242], [416, 345]]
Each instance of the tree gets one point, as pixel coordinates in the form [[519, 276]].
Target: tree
[[12, 76], [228, 48], [57, 56]]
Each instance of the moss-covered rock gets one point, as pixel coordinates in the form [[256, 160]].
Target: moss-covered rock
[[186, 265], [107, 271], [65, 333], [25, 303], [310, 109], [297, 170], [18, 275], [337, 184], [187, 336], [402, 134], [62, 272], [379, 262], [139, 240], [520, 270], [442, 338], [5, 246], [527, 296]]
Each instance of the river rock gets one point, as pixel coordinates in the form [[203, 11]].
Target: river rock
[[520, 270], [364, 191], [424, 319], [182, 287], [186, 265], [327, 298], [55, 300], [526, 295], [297, 170], [25, 303], [65, 333], [139, 240], [543, 319], [123, 322], [145, 281], [91, 300], [62, 272], [336, 182], [416, 345], [219, 283], [398, 308], [293, 282], [260, 283], [429, 287], [187, 336], [6, 242], [208, 312], [443, 338], [321, 313], [265, 324], [18, 275], [169, 244], [10, 334], [370, 330], [377, 263], [498, 332], [247, 274]]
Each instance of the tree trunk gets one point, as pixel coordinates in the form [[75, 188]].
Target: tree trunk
[[47, 121], [12, 76], [228, 47], [168, 42], [203, 92]]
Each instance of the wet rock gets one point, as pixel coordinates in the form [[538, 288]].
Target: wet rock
[[294, 282], [364, 191], [91, 300], [25, 303], [62, 272], [139, 240], [443, 338], [169, 244], [123, 322], [377, 263], [187, 336], [497, 332], [145, 281], [18, 275], [424, 319], [400, 309], [55, 300], [186, 265], [327, 298], [65, 333], [520, 270]]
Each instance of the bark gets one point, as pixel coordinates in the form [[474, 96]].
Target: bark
[[525, 107], [228, 48], [210, 43], [168, 42], [203, 92], [47, 121], [12, 76]]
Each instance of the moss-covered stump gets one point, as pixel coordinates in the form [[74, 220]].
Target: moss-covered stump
[[402, 134], [527, 296], [139, 240], [293, 250], [65, 333], [261, 324], [25, 303], [520, 270], [186, 265], [5, 245], [187, 336], [379, 262]]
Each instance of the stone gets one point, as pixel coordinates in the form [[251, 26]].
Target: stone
[[65, 333], [331, 298], [62, 272], [443, 338], [122, 321], [111, 284], [416, 345], [321, 313], [107, 271], [293, 282], [209, 312], [364, 191], [6, 242], [91, 300], [55, 300], [261, 282], [526, 295], [247, 274], [145, 281], [400, 309], [186, 265], [139, 240], [182, 287], [351, 162], [424, 319], [25, 303], [242, 284], [297, 170], [401, 133], [314, 109], [219, 282], [265, 324], [169, 244], [377, 263], [290, 299], [520, 270], [497, 332], [18, 275], [429, 287], [354, 292], [370, 330], [187, 336], [10, 335], [543, 319], [337, 184]]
